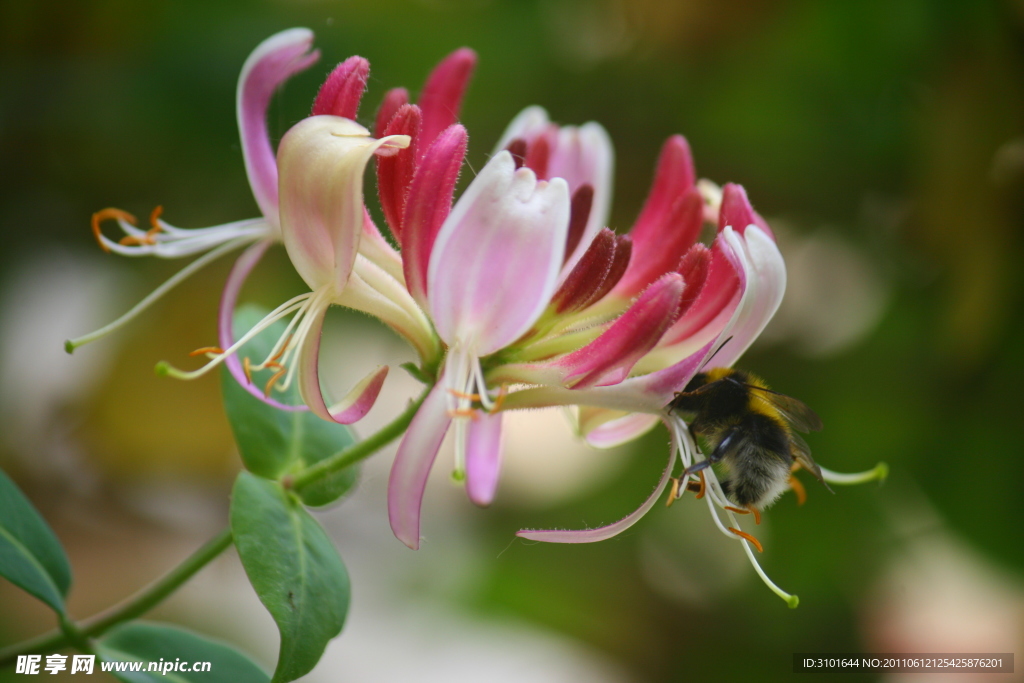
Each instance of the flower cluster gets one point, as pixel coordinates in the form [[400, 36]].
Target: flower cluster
[[515, 296]]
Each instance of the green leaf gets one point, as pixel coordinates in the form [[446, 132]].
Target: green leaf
[[142, 642], [31, 557], [294, 568], [274, 442]]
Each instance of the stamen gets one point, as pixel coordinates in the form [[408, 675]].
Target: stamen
[[105, 215], [693, 486], [747, 537], [500, 401], [247, 368], [462, 394], [740, 511], [798, 490], [673, 492], [207, 349], [154, 219], [471, 413], [72, 344], [756, 513], [270, 383], [703, 485]]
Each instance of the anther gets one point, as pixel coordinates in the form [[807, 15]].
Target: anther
[[739, 511], [154, 218], [270, 383], [747, 537], [703, 485], [673, 492], [247, 368], [461, 394], [471, 413], [105, 215], [207, 349], [284, 347], [798, 490], [757, 514], [500, 401]]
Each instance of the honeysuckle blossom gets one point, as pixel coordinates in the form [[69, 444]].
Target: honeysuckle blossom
[[310, 195], [532, 294]]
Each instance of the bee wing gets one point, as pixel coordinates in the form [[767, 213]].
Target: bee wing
[[802, 454], [795, 412]]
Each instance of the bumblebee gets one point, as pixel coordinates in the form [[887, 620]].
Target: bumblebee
[[750, 430]]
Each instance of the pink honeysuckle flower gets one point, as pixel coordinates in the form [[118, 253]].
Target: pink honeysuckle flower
[[321, 161], [493, 268], [273, 62], [375, 277]]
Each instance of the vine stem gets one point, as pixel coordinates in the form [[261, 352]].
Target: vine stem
[[78, 634]]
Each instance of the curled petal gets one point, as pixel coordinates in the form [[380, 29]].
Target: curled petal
[[737, 211], [716, 301], [236, 278], [272, 62], [609, 358], [321, 162], [428, 205], [342, 92], [412, 464], [357, 403], [441, 98], [496, 260], [604, 532], [483, 457]]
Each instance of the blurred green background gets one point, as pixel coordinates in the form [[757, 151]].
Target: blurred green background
[[883, 139]]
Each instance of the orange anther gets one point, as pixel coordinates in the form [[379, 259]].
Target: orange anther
[[794, 467], [273, 364], [207, 349], [133, 241], [757, 514], [740, 511], [462, 394], [153, 217], [673, 492], [500, 401], [284, 347], [471, 413], [703, 485], [247, 368], [747, 537], [270, 383], [799, 490], [106, 215]]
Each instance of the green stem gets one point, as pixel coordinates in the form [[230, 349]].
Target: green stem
[[360, 450], [78, 635]]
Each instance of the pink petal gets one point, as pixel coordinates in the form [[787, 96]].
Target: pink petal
[[660, 254], [584, 156], [321, 161], [620, 430], [717, 298], [272, 62], [441, 98], [694, 269], [429, 204], [225, 316], [609, 358], [527, 126], [737, 211], [412, 465], [674, 176], [483, 457], [604, 532], [496, 260], [342, 92], [356, 404], [395, 173]]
